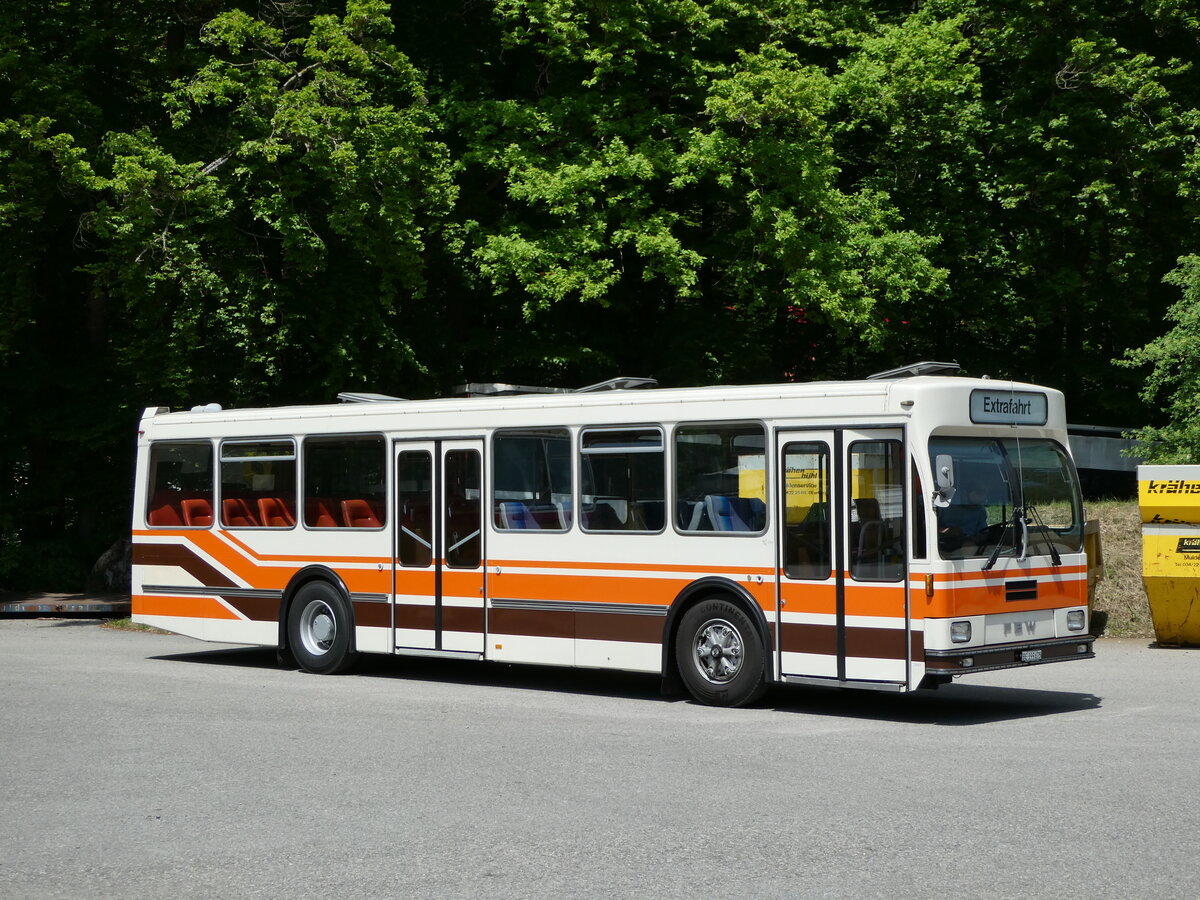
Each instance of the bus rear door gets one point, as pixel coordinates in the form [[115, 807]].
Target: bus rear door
[[438, 584]]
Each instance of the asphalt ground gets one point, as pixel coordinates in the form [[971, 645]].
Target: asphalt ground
[[147, 765]]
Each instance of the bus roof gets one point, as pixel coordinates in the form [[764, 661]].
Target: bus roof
[[833, 399]]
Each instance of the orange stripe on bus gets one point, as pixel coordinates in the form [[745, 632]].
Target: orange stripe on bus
[[1011, 574], [633, 567], [185, 607], [227, 542], [818, 597], [584, 589], [268, 557]]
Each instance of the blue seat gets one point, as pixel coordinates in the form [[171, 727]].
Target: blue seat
[[514, 514], [723, 515]]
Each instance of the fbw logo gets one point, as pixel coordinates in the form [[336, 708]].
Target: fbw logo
[[1020, 629]]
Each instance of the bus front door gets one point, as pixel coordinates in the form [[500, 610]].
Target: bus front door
[[438, 568], [843, 596]]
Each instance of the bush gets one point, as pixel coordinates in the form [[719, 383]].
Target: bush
[[1121, 596]]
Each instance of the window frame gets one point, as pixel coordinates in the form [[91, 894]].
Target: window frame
[[616, 429], [387, 461], [538, 431], [674, 470], [900, 448], [826, 453], [219, 509], [151, 491]]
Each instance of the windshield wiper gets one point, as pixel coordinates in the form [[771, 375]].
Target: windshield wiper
[[1036, 517], [1012, 520]]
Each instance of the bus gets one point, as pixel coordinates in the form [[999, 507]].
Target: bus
[[889, 533]]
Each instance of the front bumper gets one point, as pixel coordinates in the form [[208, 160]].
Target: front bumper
[[1008, 656]]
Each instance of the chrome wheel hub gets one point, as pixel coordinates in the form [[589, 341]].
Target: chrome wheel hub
[[717, 651], [318, 629]]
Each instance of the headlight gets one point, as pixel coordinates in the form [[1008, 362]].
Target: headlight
[[1076, 620], [960, 632]]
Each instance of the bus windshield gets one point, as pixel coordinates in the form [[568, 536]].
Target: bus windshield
[[993, 479]]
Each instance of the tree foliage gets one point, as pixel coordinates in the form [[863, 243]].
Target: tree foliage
[[263, 201], [1174, 379]]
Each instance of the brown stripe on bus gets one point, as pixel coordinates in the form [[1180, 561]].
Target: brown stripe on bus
[[372, 615], [600, 626], [414, 616], [876, 643], [184, 558], [257, 609], [866, 643], [819, 639], [462, 618], [532, 622]]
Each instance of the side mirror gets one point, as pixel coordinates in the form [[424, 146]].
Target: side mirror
[[943, 471]]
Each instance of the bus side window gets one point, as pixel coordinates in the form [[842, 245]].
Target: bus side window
[[258, 484], [531, 480], [345, 482], [721, 478], [181, 486], [622, 479]]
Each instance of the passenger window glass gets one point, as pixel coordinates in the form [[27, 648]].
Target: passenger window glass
[[808, 542], [258, 484], [345, 483], [876, 512], [622, 480], [532, 480], [181, 492], [414, 497], [463, 542], [720, 478]]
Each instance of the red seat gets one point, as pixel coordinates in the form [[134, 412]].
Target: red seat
[[235, 513], [197, 512], [164, 516], [317, 514], [274, 513], [358, 514]]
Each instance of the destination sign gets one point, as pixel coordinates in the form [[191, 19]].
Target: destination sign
[[1001, 407]]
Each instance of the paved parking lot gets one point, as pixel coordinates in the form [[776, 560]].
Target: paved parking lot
[[158, 766]]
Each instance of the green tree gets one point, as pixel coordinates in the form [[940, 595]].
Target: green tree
[[653, 188], [1044, 144], [264, 201], [69, 73], [1174, 379]]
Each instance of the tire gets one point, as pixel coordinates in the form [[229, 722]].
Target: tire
[[719, 654], [320, 624]]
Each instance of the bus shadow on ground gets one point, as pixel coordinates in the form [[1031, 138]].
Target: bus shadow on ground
[[552, 679], [952, 705]]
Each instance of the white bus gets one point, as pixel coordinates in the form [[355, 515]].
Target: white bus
[[888, 533]]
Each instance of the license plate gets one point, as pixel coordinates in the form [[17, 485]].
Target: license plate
[[1031, 655]]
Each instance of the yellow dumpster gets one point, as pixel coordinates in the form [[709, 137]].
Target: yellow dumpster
[[1169, 498]]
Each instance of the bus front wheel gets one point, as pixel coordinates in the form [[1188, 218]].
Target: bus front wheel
[[319, 627], [719, 654]]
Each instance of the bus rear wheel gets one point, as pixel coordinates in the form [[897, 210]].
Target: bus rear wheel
[[319, 627], [719, 654]]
